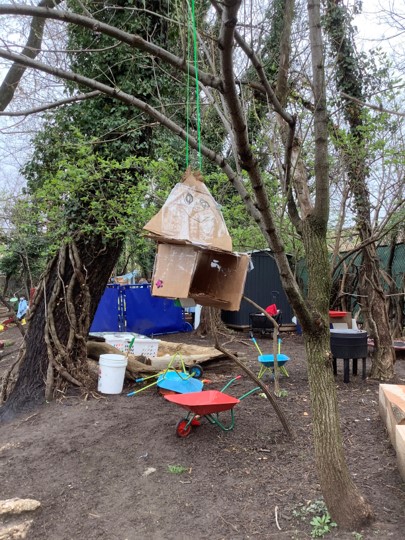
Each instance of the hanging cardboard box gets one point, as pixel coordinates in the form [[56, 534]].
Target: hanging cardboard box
[[211, 278], [190, 215]]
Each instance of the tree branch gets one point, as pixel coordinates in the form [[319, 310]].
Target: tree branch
[[74, 99], [31, 49], [236, 181], [133, 40], [248, 163], [374, 107]]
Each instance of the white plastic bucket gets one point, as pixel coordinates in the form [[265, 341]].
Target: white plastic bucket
[[111, 373]]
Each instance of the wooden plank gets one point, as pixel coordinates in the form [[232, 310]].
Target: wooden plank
[[400, 449], [392, 407]]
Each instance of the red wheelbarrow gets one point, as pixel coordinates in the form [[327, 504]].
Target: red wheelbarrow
[[207, 404]]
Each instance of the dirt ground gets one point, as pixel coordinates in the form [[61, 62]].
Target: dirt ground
[[114, 469]]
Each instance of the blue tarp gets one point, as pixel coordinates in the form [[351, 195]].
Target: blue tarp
[[108, 317], [133, 309]]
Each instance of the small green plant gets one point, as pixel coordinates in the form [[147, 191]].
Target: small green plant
[[177, 469], [282, 393], [310, 509], [321, 521], [321, 525], [357, 536]]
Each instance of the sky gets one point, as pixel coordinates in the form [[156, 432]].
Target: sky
[[374, 28]]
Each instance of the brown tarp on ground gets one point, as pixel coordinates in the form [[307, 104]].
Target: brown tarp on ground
[[190, 354]]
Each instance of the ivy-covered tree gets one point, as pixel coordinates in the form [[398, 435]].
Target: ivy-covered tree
[[350, 82]]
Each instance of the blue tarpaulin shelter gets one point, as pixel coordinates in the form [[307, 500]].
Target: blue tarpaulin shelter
[[132, 308]]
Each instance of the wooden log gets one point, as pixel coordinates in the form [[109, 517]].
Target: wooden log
[[96, 348], [16, 531], [139, 365], [18, 506]]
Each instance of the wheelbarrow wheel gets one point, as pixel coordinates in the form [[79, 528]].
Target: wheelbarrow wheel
[[196, 371], [182, 429]]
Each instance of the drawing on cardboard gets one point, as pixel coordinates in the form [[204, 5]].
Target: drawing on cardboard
[[191, 215]]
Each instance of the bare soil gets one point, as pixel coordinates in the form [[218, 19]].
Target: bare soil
[[113, 468]]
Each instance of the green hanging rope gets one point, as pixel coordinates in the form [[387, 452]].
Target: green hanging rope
[[195, 57], [188, 98]]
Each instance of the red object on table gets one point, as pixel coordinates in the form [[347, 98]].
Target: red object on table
[[271, 309], [338, 314]]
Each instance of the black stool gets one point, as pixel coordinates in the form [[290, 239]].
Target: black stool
[[346, 368]]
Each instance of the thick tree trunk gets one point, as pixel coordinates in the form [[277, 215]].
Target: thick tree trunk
[[54, 351], [344, 501]]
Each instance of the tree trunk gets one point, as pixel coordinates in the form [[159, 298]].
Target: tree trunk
[[344, 501], [378, 326], [54, 351], [211, 323]]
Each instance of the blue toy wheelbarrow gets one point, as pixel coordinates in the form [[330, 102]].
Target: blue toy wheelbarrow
[[267, 360], [174, 381]]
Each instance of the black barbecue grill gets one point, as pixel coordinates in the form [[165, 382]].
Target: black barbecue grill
[[259, 323]]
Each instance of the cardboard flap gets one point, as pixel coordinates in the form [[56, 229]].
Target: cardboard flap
[[191, 215], [173, 271], [210, 277]]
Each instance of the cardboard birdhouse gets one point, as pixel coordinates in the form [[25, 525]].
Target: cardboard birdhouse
[[190, 215], [194, 257]]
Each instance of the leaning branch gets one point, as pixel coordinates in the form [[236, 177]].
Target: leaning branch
[[263, 387], [115, 93], [247, 160], [54, 105]]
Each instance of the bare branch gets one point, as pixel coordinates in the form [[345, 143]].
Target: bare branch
[[31, 49], [74, 99], [133, 40], [374, 107]]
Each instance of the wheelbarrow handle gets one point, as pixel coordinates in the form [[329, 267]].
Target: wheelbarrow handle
[[256, 344], [141, 389], [230, 382], [143, 379], [250, 392]]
